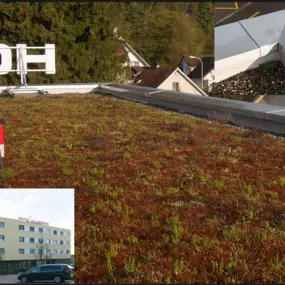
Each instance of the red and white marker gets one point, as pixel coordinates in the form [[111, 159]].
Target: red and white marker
[[2, 142]]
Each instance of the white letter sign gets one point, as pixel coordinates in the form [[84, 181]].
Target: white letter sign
[[5, 59], [23, 59], [48, 58]]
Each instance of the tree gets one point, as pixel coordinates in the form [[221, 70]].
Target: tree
[[2, 258], [43, 253], [82, 33], [85, 42], [203, 13]]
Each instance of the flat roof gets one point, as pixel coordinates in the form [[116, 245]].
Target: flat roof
[[34, 224]]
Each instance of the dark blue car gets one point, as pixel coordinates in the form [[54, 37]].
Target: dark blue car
[[56, 272]]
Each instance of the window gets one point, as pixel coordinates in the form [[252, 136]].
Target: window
[[56, 268], [55, 251], [46, 268], [21, 239], [32, 229], [2, 238], [40, 230], [21, 228], [67, 243], [135, 63], [2, 250], [32, 240], [67, 251], [21, 251], [61, 233], [2, 225], [35, 269], [46, 231], [66, 234], [175, 86], [41, 240], [61, 242], [47, 241], [55, 232], [32, 251]]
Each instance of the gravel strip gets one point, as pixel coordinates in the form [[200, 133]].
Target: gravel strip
[[267, 79]]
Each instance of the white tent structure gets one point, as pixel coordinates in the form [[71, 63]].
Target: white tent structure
[[248, 43], [282, 46]]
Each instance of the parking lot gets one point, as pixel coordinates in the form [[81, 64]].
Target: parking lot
[[230, 12], [12, 279]]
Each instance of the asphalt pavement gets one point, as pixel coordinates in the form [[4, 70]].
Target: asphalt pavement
[[12, 279], [230, 12]]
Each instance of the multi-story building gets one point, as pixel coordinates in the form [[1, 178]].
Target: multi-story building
[[25, 243]]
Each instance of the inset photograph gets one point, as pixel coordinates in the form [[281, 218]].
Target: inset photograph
[[36, 235], [249, 53]]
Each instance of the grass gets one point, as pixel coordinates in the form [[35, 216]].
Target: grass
[[160, 197]]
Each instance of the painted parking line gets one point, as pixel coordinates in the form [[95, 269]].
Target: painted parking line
[[233, 13], [228, 8], [254, 15]]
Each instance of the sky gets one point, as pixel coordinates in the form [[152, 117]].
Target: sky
[[53, 206]]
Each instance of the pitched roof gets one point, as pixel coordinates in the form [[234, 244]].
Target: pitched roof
[[152, 77], [192, 62], [208, 65], [127, 46]]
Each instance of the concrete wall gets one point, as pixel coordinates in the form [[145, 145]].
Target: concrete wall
[[226, 68], [265, 117], [11, 244]]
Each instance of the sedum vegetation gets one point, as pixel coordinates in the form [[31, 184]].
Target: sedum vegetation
[[84, 38], [160, 197]]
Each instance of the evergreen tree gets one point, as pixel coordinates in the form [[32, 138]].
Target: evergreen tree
[[86, 47]]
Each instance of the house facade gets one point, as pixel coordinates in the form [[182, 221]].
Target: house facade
[[25, 243], [208, 79], [208, 73], [134, 59], [187, 64], [167, 79]]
